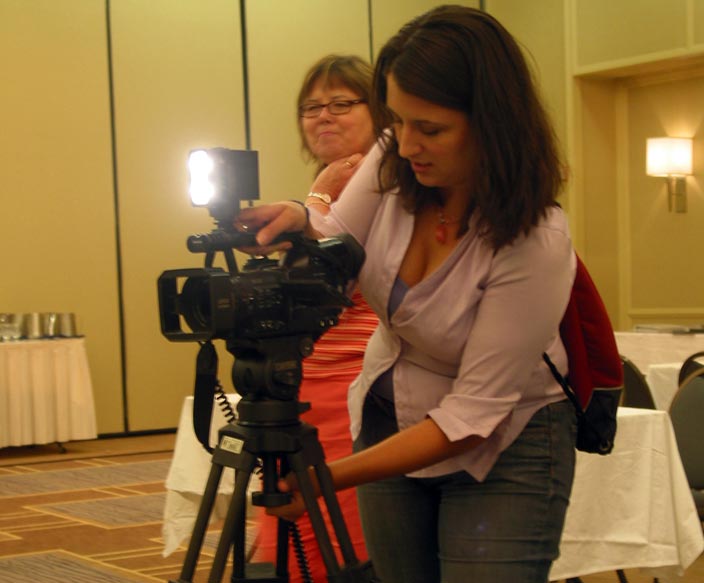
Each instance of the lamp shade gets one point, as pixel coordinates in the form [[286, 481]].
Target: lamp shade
[[669, 157]]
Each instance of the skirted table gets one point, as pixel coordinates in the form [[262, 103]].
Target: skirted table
[[46, 394], [633, 507]]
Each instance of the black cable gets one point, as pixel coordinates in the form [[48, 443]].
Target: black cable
[[300, 552], [224, 403]]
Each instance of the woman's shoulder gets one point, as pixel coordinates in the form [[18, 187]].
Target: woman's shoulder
[[549, 241], [555, 219], [552, 229]]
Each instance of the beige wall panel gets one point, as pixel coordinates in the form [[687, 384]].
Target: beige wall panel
[[609, 31], [664, 244], [284, 38], [539, 26], [57, 219], [178, 86], [388, 16], [597, 177], [698, 23]]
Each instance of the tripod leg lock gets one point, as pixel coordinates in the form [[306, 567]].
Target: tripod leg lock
[[270, 499]]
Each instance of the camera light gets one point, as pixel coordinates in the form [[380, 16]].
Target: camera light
[[200, 167], [221, 178]]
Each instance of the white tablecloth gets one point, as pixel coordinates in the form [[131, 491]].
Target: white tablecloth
[[663, 382], [46, 394], [632, 508], [646, 348], [187, 476]]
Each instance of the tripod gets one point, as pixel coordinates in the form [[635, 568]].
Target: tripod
[[270, 430]]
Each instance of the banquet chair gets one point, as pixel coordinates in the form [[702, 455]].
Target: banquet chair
[[693, 363], [636, 392], [686, 413]]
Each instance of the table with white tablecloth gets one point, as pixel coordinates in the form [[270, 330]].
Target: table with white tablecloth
[[646, 348], [659, 356], [46, 394], [632, 508]]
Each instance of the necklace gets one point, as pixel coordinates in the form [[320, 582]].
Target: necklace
[[441, 227]]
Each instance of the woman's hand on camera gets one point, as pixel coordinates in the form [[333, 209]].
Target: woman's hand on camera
[[269, 221]]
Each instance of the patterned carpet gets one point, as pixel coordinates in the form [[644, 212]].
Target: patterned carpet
[[77, 519], [83, 478], [95, 520]]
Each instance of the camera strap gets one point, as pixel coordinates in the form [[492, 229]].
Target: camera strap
[[204, 392]]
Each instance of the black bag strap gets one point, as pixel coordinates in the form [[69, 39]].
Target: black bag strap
[[596, 425], [204, 392], [565, 386]]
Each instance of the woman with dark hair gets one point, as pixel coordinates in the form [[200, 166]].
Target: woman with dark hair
[[464, 443], [336, 130]]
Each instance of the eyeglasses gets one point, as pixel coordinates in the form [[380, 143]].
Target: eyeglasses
[[334, 107]]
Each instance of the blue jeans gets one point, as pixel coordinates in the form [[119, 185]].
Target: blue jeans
[[453, 529]]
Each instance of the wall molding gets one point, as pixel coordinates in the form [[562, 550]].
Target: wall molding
[[696, 312], [636, 65]]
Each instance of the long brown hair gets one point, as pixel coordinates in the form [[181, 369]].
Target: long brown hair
[[464, 59], [350, 71]]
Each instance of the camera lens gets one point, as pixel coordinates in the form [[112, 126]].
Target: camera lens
[[195, 304]]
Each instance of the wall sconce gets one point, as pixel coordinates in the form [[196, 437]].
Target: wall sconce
[[671, 158]]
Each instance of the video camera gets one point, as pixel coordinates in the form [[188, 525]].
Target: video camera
[[274, 309], [301, 294]]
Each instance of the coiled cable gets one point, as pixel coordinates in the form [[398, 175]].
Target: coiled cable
[[224, 403]]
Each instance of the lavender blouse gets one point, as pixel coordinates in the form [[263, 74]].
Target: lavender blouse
[[466, 342]]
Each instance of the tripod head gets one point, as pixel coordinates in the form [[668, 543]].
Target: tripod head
[[268, 373]]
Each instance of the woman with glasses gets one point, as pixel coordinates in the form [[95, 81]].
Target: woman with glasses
[[336, 131], [464, 443]]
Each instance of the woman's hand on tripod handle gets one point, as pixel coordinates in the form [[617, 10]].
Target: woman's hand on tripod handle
[[296, 507], [413, 448]]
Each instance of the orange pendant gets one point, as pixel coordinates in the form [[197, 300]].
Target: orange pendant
[[441, 233]]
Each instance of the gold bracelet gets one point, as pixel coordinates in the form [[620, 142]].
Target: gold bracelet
[[321, 196], [310, 202]]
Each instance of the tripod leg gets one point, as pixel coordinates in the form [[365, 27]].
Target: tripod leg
[[327, 489], [311, 455], [283, 531], [201, 524], [316, 519], [233, 531]]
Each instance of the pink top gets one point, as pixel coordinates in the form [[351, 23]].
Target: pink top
[[465, 343]]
